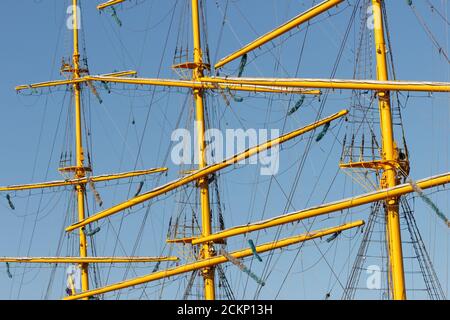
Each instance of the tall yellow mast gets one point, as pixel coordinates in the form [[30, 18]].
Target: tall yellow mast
[[390, 192], [207, 250], [80, 171], [390, 156]]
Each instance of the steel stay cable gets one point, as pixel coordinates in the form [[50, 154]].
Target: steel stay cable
[[268, 261]]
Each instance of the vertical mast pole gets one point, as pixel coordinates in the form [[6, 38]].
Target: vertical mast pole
[[390, 156], [80, 169], [207, 250]]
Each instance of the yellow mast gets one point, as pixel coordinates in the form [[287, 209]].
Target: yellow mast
[[389, 154], [390, 191], [207, 250], [80, 171], [216, 260]]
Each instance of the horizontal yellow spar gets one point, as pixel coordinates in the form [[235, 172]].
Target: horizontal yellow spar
[[57, 83], [46, 84], [269, 85], [262, 89], [109, 4], [287, 85], [148, 81], [205, 171], [291, 24], [61, 183], [114, 79], [121, 73], [200, 85], [215, 260], [379, 195], [86, 259], [119, 78], [424, 86]]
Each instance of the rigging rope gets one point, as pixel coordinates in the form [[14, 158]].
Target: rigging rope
[[235, 97], [429, 202], [428, 31], [435, 10], [241, 266], [94, 91], [310, 138], [253, 247], [97, 197], [115, 16], [140, 144]]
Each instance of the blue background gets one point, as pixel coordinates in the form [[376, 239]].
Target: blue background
[[33, 41]]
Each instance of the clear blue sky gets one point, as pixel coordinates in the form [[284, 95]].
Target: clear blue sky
[[33, 134]]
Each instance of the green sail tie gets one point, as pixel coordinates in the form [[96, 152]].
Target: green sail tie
[[156, 267], [242, 65], [297, 106], [324, 132], [333, 237], [11, 204], [139, 189], [8, 272], [253, 247], [237, 98]]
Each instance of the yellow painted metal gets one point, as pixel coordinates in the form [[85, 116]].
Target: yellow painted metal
[[80, 174], [74, 169], [346, 84], [389, 191], [198, 85], [264, 89], [389, 154], [181, 240], [269, 85], [206, 171], [216, 260], [327, 208], [72, 285], [86, 259], [46, 84], [168, 83], [375, 165], [84, 180], [109, 4], [121, 73], [295, 22], [207, 250], [57, 83], [191, 65]]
